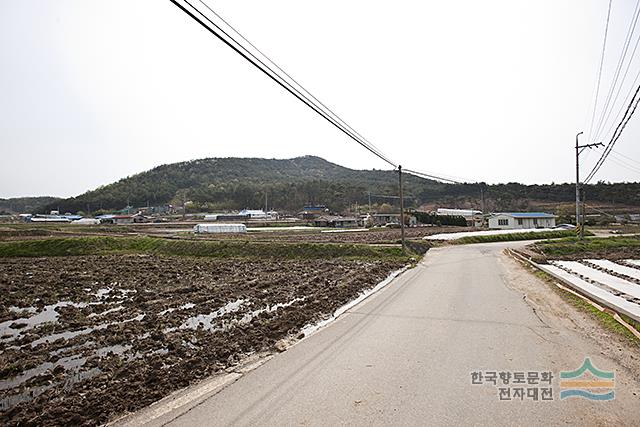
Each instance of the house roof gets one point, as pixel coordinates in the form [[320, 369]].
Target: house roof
[[252, 212], [528, 214], [330, 218]]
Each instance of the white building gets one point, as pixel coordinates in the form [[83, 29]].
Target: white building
[[254, 213], [220, 228], [474, 218], [516, 220]]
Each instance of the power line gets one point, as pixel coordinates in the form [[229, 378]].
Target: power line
[[289, 76], [430, 176], [625, 49], [624, 164], [275, 77], [604, 45], [625, 156], [616, 134], [323, 111], [623, 104], [624, 77]]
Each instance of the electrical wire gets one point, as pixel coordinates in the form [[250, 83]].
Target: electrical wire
[[604, 45], [323, 111], [623, 104], [625, 156], [288, 75], [622, 163], [617, 133], [275, 77], [615, 98], [625, 48], [430, 176]]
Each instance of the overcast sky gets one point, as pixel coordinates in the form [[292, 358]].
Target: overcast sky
[[93, 91]]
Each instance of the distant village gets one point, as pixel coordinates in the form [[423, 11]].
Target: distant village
[[309, 215]]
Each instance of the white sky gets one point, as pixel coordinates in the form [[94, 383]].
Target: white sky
[[92, 91]]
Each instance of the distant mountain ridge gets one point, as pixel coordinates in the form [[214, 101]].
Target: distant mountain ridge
[[26, 204], [218, 184]]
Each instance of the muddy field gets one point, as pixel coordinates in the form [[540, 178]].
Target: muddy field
[[609, 248], [372, 236], [85, 339]]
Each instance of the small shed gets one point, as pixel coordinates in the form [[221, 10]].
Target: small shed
[[86, 221], [386, 218], [347, 222], [220, 228], [254, 213], [122, 219]]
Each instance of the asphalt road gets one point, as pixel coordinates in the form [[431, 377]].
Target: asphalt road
[[405, 356]]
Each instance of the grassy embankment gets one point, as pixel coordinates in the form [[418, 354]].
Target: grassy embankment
[[592, 247], [217, 249], [515, 236], [603, 317], [600, 247]]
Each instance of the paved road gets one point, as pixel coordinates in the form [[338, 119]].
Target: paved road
[[405, 356]]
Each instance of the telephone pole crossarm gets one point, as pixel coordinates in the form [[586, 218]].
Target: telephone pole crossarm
[[579, 150]]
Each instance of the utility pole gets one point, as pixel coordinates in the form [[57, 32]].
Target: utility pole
[[401, 208], [578, 181], [584, 212], [579, 149]]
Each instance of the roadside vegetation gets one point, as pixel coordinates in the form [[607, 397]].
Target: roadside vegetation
[[605, 247], [101, 245], [514, 236], [604, 318]]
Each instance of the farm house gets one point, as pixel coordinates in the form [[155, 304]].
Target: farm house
[[522, 220]]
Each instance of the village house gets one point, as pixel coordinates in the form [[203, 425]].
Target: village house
[[336, 221], [521, 220]]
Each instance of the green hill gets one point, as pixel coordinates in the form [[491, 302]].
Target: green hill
[[234, 183], [26, 204]]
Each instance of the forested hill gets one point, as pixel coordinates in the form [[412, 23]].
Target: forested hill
[[25, 204], [234, 183]]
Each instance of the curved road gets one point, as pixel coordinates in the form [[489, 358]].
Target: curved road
[[405, 356]]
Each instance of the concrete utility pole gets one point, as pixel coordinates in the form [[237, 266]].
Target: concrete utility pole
[[401, 208], [578, 181], [579, 149]]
